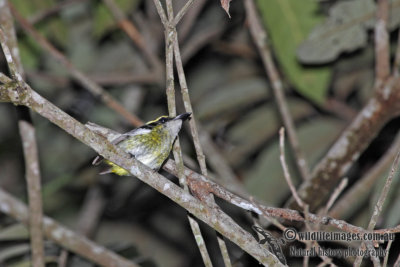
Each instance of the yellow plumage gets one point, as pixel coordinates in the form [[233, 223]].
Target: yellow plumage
[[150, 143]]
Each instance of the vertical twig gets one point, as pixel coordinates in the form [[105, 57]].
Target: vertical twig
[[195, 134], [32, 170], [28, 138], [385, 260], [177, 151], [172, 39], [286, 173], [382, 53], [260, 38], [188, 106]]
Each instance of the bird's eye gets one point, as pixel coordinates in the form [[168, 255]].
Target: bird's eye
[[163, 120]]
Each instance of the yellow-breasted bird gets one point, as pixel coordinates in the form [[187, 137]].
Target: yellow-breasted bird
[[150, 143]]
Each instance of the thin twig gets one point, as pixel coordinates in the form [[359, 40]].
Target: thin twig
[[287, 214], [43, 14], [194, 132], [189, 20], [326, 175], [397, 262], [249, 205], [384, 193], [28, 137], [188, 106], [94, 88], [374, 258], [34, 191], [90, 212], [213, 216], [177, 151], [260, 36], [182, 12], [129, 28], [382, 51], [359, 192], [161, 13], [385, 260], [335, 195], [63, 236], [285, 168], [218, 162], [380, 202]]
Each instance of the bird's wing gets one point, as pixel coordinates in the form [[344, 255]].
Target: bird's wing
[[122, 137]]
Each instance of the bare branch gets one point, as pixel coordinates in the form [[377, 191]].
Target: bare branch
[[177, 151], [347, 149], [161, 13], [382, 51], [91, 86], [64, 236], [28, 137], [359, 192], [134, 34], [213, 216], [335, 195], [385, 260], [260, 38], [182, 12], [34, 191], [379, 204], [285, 168], [397, 263]]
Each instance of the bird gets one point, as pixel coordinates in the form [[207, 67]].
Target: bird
[[150, 143]]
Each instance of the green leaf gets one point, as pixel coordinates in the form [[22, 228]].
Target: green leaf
[[232, 97], [288, 23], [256, 127], [345, 30]]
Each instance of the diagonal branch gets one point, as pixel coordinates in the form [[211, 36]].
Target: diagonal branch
[[382, 107], [86, 82], [63, 236], [259, 35], [135, 35], [28, 137], [213, 216], [177, 151]]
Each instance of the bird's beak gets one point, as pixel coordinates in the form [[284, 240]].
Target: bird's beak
[[183, 116]]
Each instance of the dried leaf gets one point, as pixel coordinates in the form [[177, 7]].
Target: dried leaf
[[225, 5]]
